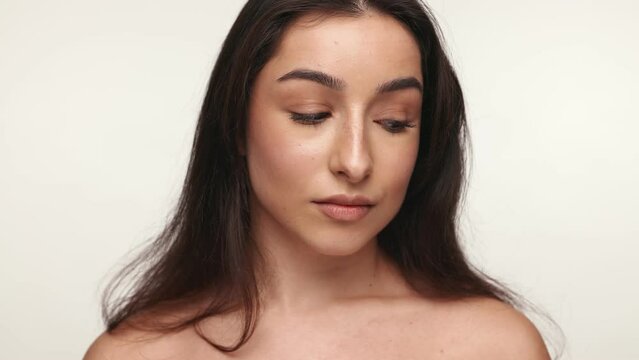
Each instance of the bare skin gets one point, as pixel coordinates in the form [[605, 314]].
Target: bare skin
[[329, 292], [315, 260], [407, 328]]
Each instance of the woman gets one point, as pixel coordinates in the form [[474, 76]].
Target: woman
[[318, 215]]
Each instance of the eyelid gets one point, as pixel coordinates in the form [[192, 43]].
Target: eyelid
[[309, 116], [316, 119], [404, 124]]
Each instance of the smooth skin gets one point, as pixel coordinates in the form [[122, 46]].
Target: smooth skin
[[330, 293]]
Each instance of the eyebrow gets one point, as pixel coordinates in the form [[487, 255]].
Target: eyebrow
[[338, 84]]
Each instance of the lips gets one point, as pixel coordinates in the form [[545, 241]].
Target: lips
[[343, 199], [344, 207], [344, 212]]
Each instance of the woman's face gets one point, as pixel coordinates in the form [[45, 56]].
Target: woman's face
[[357, 145]]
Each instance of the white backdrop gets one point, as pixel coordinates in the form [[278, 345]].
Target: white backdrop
[[98, 103]]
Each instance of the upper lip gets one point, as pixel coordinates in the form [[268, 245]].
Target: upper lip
[[343, 199]]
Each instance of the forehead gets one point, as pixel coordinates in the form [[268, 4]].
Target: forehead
[[373, 45]]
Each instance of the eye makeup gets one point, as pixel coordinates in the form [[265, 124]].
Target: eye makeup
[[391, 125], [396, 126]]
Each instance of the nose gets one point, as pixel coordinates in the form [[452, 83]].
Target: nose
[[351, 157]]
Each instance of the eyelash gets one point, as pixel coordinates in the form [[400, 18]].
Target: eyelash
[[316, 119]]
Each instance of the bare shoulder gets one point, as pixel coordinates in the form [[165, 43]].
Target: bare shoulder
[[111, 346], [492, 329], [139, 345], [135, 343]]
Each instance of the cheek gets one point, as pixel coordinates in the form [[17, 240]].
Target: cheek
[[280, 165], [398, 165]]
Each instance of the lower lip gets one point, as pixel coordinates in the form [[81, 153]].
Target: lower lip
[[343, 212]]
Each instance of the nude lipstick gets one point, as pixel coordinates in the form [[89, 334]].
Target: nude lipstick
[[344, 207]]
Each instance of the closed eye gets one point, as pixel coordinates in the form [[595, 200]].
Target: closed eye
[[391, 125], [396, 126], [310, 119]]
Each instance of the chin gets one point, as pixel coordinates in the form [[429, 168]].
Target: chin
[[337, 243]]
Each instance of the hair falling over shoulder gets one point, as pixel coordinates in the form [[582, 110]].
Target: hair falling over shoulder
[[205, 252]]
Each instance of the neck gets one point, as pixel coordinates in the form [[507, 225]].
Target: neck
[[296, 279]]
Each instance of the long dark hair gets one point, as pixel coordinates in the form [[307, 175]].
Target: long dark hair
[[205, 247]]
